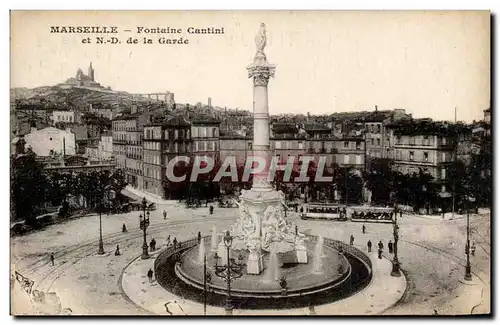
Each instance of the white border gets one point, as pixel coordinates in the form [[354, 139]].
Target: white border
[[143, 5]]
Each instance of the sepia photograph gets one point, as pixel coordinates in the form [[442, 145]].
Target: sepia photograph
[[250, 163]]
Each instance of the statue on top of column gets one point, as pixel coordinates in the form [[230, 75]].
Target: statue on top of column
[[260, 39]]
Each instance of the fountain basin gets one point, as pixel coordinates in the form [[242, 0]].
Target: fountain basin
[[181, 273]]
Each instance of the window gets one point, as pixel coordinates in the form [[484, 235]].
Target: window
[[358, 159], [443, 173], [378, 142], [358, 145], [346, 144], [426, 156], [411, 155], [301, 145], [176, 134], [443, 157], [398, 140], [278, 144], [249, 146], [373, 141], [214, 132], [346, 159]]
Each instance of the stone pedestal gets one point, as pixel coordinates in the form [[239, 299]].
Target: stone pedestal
[[301, 255], [255, 264]]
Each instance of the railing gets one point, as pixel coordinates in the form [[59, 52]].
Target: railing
[[333, 243]]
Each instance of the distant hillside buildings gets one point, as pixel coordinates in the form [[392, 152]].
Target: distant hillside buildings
[[82, 80]]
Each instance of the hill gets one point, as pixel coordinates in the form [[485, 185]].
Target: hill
[[73, 97]]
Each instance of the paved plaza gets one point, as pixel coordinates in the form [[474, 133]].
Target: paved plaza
[[431, 252]]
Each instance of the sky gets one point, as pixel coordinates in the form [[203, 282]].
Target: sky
[[425, 62]]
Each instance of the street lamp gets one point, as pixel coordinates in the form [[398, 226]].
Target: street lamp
[[101, 245], [395, 262], [143, 224], [232, 270], [468, 275]]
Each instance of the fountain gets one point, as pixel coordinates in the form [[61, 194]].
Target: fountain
[[261, 229], [214, 242], [318, 255], [201, 251], [272, 272]]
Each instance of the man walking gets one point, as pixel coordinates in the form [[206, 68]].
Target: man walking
[[152, 245], [150, 275], [117, 251], [164, 215], [199, 237], [473, 249], [363, 229], [52, 258], [369, 246], [380, 253], [380, 245], [351, 241], [390, 246]]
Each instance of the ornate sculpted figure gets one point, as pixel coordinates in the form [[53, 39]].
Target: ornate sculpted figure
[[261, 39]]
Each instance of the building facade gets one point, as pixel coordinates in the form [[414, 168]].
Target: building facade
[[48, 141]]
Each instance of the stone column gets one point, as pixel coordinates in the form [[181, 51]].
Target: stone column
[[260, 71]]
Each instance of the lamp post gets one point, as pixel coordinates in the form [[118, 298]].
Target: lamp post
[[395, 262], [101, 245], [468, 275], [143, 224], [230, 271]]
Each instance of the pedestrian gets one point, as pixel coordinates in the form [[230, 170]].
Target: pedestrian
[[380, 245], [390, 246], [150, 275], [369, 246], [401, 213], [152, 245], [117, 251], [175, 242], [363, 229], [168, 240], [473, 249], [351, 241], [52, 258], [199, 237], [211, 209], [379, 253], [296, 208], [164, 215], [296, 230]]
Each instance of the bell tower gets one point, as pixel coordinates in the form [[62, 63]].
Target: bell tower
[[91, 72]]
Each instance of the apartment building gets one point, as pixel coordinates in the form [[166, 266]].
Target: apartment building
[[164, 140], [205, 134], [423, 146]]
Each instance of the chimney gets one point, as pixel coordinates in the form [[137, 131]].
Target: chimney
[[209, 102], [376, 108]]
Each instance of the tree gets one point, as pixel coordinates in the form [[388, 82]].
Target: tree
[[28, 185], [379, 180], [350, 184]]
